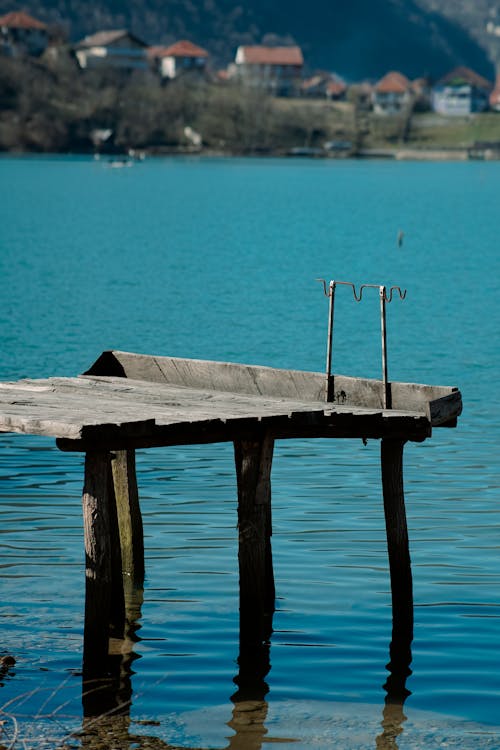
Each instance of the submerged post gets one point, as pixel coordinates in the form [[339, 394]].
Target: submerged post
[[402, 593], [114, 564], [397, 540], [253, 459], [102, 596], [129, 517]]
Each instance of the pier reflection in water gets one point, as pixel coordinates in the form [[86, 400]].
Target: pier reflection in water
[[107, 693], [393, 716]]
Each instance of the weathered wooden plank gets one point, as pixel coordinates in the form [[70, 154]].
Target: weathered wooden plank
[[73, 414], [445, 410], [22, 386], [222, 376], [32, 426], [106, 395], [375, 425], [39, 420], [150, 432], [71, 417], [177, 406], [348, 391], [258, 380]]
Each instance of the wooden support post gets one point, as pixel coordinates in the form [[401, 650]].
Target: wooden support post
[[101, 592], [397, 543], [253, 460], [114, 572], [129, 517]]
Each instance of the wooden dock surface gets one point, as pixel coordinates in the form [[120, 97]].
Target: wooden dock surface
[[129, 401]]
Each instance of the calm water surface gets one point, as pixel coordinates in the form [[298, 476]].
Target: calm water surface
[[218, 259]]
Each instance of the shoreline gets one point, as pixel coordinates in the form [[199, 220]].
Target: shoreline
[[375, 154]]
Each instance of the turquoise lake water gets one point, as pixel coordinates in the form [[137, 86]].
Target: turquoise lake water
[[217, 259]]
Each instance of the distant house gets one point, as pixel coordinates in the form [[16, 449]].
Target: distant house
[[461, 92], [323, 85], [336, 89], [315, 86], [112, 49], [392, 94], [276, 70], [181, 57], [21, 34]]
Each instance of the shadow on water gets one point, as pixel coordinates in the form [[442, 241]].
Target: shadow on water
[[107, 691]]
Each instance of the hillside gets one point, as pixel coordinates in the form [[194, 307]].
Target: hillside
[[472, 15], [363, 38]]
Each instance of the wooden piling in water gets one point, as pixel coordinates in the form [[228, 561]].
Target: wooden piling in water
[[114, 553], [397, 538], [253, 459], [97, 525], [129, 516]]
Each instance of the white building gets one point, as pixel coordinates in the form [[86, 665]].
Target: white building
[[461, 92], [181, 57], [276, 70], [392, 94]]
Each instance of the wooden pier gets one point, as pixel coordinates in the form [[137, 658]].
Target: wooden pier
[[129, 401]]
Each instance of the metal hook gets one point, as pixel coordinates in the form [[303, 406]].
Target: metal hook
[[358, 296], [325, 290], [401, 293]]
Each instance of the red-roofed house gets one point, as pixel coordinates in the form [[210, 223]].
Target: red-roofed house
[[112, 49], [181, 57], [21, 34], [276, 70], [326, 85], [461, 92], [336, 89], [392, 94]]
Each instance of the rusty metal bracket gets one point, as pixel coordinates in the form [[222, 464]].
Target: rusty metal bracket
[[385, 297]]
